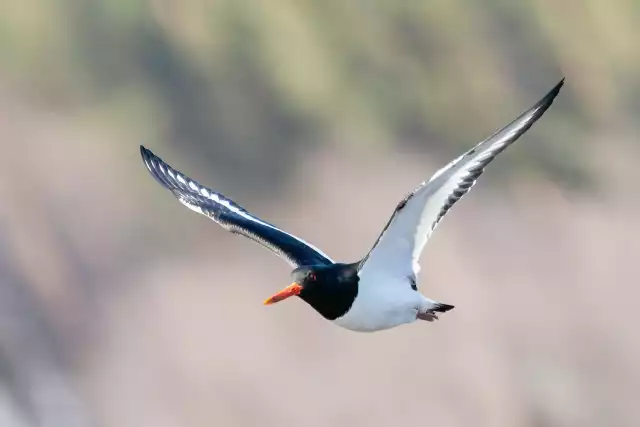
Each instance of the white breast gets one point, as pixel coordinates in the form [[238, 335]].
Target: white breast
[[381, 307]]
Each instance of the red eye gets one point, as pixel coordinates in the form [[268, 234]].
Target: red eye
[[312, 276]]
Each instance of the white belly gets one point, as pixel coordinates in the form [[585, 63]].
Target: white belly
[[381, 306]]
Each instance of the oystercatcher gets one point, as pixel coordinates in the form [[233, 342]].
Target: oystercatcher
[[380, 290]]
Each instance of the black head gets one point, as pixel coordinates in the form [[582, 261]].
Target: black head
[[329, 289]]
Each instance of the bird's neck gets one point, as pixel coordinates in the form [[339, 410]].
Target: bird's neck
[[333, 297]]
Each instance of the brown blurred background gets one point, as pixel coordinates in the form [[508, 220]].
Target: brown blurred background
[[121, 308]]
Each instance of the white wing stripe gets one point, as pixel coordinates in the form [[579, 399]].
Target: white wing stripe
[[400, 244], [232, 207], [195, 196]]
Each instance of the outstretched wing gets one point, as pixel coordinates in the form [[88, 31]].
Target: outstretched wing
[[231, 216], [400, 244]]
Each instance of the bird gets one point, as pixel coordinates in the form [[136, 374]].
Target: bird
[[379, 291]]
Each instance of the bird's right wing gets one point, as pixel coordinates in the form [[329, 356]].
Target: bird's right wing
[[400, 244], [231, 216]]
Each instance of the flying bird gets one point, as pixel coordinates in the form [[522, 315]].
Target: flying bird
[[380, 290]]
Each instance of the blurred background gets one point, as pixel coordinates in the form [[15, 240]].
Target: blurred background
[[121, 308]]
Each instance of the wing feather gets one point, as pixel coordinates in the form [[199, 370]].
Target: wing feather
[[399, 245], [232, 216]]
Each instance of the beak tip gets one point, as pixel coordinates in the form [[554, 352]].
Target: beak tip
[[291, 290]]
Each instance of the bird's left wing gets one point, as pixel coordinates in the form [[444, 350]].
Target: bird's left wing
[[398, 248], [231, 216]]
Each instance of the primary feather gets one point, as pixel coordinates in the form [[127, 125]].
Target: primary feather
[[400, 244], [232, 216]]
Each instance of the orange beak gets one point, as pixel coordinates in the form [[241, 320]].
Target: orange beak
[[289, 291]]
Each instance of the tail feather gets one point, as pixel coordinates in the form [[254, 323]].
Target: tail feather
[[430, 313], [442, 308]]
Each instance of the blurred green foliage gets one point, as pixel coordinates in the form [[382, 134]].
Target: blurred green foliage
[[249, 85]]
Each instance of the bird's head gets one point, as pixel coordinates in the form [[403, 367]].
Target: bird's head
[[305, 279], [329, 289]]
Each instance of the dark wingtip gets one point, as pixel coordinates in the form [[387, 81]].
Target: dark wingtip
[[147, 155], [150, 161], [145, 152], [548, 99], [149, 158], [535, 112], [557, 87]]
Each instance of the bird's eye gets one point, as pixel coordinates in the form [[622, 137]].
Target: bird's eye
[[312, 276]]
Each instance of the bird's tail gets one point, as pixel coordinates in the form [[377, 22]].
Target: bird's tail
[[441, 308], [431, 308]]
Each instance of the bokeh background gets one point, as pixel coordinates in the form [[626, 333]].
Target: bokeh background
[[121, 308]]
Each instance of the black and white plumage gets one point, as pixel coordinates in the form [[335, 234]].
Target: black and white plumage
[[379, 291], [231, 216]]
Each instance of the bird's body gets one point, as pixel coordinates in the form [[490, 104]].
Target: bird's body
[[384, 303], [380, 290]]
